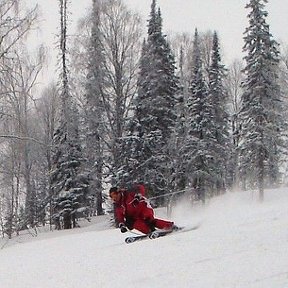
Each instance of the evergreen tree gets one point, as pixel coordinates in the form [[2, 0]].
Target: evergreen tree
[[69, 182], [94, 110], [154, 113], [261, 113], [198, 151], [219, 121]]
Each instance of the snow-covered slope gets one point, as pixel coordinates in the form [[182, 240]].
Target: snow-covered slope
[[240, 244]]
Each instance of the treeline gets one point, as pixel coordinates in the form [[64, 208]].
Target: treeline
[[132, 106]]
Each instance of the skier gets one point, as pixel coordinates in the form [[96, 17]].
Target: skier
[[132, 211]]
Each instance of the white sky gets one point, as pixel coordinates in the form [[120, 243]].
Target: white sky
[[227, 17]]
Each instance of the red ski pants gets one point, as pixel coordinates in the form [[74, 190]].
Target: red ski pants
[[144, 227], [145, 221]]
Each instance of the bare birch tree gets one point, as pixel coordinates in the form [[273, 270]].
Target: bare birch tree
[[15, 24], [120, 42], [233, 86], [18, 82]]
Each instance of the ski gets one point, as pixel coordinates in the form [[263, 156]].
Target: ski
[[159, 233], [132, 239], [152, 235]]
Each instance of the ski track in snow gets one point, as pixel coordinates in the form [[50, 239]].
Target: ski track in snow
[[240, 243]]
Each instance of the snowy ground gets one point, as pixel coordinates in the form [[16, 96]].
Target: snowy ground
[[240, 244]]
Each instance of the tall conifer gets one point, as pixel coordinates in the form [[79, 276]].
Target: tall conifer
[[261, 113], [200, 139], [154, 114], [219, 119], [69, 183], [95, 110]]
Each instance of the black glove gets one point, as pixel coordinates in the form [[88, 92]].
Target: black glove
[[123, 228], [136, 199]]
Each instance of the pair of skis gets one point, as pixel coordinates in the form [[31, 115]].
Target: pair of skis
[[158, 233], [152, 235]]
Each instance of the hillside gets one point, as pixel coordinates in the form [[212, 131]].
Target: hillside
[[240, 243]]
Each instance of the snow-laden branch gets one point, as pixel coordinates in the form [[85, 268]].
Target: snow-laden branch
[[23, 139]]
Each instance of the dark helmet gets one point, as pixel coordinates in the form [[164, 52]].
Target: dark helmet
[[113, 189]]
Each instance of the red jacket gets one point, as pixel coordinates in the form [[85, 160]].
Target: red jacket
[[132, 206], [134, 211]]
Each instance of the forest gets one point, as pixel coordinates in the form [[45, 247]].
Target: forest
[[132, 104]]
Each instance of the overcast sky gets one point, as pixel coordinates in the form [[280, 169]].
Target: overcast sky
[[227, 17]]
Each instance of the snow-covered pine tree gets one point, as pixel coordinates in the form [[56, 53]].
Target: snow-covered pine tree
[[261, 113], [200, 139], [69, 183], [220, 120], [94, 111], [155, 116]]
